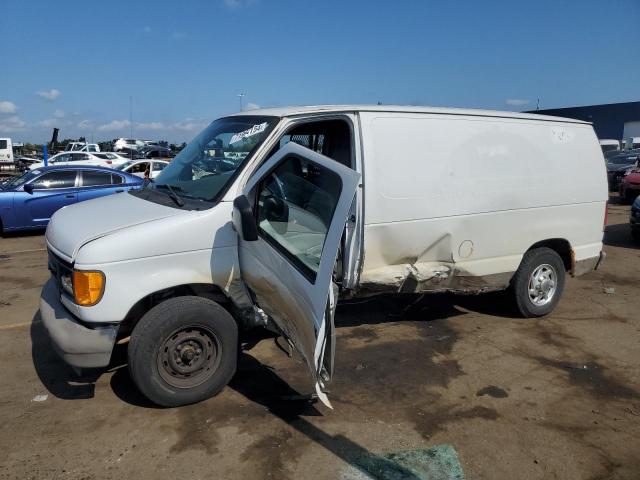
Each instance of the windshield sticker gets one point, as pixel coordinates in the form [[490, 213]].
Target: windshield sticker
[[248, 133]]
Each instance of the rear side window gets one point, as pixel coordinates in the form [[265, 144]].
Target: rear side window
[[92, 179], [116, 179], [64, 179], [3, 144], [77, 157]]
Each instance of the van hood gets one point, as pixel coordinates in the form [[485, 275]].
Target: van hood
[[72, 227]]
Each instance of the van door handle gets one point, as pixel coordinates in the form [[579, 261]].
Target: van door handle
[[69, 196], [119, 190]]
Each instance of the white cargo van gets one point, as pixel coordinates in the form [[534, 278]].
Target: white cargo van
[[268, 217], [6, 151]]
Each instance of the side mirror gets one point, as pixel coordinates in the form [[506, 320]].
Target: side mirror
[[28, 187], [243, 220]]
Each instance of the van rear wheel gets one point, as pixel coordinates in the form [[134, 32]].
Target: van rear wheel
[[538, 283], [183, 351]]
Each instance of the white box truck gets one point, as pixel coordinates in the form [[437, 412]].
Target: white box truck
[[631, 135], [6, 151], [269, 217]]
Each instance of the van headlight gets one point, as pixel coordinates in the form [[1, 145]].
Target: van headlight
[[86, 287], [66, 283]]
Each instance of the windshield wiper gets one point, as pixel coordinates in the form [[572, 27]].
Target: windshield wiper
[[172, 193]]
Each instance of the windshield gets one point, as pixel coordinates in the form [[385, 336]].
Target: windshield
[[16, 182], [209, 162]]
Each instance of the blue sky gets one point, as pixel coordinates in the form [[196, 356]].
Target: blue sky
[[75, 64]]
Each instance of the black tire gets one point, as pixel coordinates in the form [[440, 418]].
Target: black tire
[[164, 362], [531, 261]]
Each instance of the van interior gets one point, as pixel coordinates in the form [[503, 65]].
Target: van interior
[[309, 190]]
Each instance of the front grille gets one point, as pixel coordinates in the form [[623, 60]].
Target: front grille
[[59, 267]]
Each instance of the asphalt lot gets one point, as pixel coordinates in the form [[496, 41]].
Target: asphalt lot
[[551, 398]]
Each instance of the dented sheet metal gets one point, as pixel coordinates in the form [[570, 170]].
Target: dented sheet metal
[[426, 277]]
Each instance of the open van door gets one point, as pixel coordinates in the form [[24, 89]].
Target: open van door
[[290, 220]]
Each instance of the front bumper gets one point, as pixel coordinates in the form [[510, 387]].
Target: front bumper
[[78, 345]]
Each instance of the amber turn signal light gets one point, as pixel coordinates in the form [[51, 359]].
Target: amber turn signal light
[[88, 287]]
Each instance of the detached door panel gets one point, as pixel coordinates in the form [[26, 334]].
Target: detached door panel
[[301, 201]]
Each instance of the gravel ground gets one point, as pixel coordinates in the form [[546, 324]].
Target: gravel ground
[[557, 397]]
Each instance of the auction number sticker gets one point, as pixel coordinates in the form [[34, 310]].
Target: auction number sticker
[[248, 133]]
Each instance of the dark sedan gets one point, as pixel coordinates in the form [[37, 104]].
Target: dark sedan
[[28, 201], [155, 151]]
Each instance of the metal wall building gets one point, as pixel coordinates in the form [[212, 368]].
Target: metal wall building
[[608, 119]]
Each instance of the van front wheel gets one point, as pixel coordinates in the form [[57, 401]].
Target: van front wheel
[[184, 350], [538, 283]]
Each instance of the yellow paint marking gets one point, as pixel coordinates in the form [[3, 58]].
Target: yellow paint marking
[[10, 326], [26, 251]]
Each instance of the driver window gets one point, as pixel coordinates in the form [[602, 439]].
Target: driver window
[[295, 205]]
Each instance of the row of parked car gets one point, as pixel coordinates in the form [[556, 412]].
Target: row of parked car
[[623, 173], [121, 162], [79, 173], [29, 200], [130, 149]]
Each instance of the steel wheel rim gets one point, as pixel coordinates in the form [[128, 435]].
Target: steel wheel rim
[[189, 356], [543, 284]]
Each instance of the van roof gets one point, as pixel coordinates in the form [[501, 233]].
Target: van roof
[[304, 110]]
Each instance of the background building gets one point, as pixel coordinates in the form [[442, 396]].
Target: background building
[[609, 120]]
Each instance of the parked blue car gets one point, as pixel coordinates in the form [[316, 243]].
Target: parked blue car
[[28, 201]]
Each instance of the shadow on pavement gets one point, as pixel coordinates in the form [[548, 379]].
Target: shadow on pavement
[[58, 377], [23, 233], [260, 384], [421, 308], [619, 235]]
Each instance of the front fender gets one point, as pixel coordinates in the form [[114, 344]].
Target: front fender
[[129, 282]]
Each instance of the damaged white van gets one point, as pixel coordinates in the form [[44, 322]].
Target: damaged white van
[[268, 217]]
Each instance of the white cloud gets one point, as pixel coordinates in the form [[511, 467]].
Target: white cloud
[[147, 29], [7, 107], [85, 125], [252, 106], [178, 35], [189, 125], [12, 124], [114, 125], [151, 126], [239, 3], [58, 113], [50, 95], [49, 123], [517, 102]]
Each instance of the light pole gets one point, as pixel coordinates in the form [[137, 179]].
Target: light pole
[[131, 116], [240, 95]]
